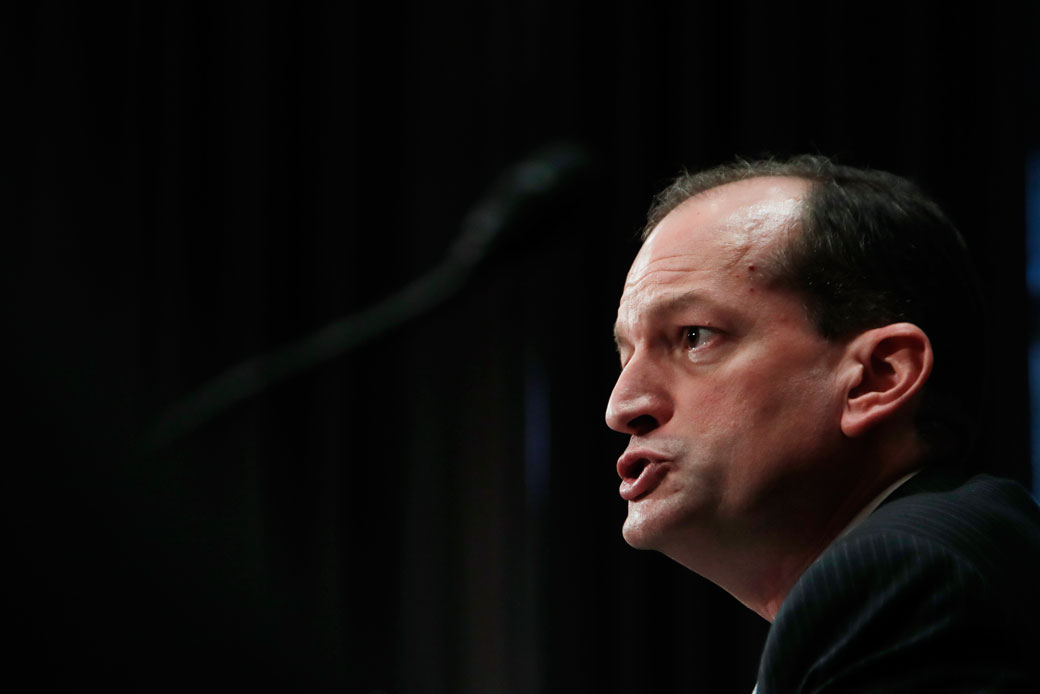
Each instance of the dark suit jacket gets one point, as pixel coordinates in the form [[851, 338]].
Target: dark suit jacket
[[937, 591]]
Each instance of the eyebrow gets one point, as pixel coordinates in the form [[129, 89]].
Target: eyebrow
[[670, 305]]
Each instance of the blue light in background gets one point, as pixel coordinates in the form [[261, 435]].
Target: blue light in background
[[1033, 281], [536, 435], [1033, 224]]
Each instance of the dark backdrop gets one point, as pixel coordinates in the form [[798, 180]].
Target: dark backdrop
[[194, 184]]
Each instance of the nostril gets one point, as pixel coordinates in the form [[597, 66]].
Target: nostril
[[643, 424]]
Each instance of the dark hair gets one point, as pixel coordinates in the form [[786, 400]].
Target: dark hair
[[874, 250]]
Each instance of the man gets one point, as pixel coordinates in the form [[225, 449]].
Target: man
[[800, 371]]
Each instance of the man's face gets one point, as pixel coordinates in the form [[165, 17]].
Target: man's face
[[726, 389]]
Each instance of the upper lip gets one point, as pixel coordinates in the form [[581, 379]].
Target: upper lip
[[633, 461]]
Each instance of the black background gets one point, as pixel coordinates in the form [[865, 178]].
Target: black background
[[194, 184]]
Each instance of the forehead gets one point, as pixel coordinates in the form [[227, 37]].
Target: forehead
[[716, 251], [739, 222]]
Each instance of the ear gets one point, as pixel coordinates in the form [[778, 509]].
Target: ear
[[888, 366]]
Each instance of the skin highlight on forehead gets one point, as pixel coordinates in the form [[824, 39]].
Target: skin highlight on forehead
[[746, 223], [738, 217]]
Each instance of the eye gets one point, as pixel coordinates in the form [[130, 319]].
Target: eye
[[696, 336]]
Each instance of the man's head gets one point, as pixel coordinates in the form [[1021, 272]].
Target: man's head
[[874, 249], [772, 366]]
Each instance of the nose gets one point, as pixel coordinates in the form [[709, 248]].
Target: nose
[[640, 401]]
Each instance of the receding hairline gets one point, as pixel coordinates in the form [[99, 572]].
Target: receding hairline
[[774, 259], [712, 191]]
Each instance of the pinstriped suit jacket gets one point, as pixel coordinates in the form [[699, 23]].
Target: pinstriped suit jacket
[[937, 591]]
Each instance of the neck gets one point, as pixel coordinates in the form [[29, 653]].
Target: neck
[[759, 562]]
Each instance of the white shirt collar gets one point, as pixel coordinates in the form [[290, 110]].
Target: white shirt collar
[[872, 506]]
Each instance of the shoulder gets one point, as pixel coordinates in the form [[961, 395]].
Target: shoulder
[[928, 591], [942, 507]]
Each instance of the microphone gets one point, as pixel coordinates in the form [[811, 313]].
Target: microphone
[[543, 173]]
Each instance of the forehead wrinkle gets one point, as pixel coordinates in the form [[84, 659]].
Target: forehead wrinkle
[[674, 303], [654, 277], [685, 264]]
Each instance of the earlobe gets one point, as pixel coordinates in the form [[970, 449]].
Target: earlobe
[[888, 366]]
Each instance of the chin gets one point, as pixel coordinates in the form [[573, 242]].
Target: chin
[[660, 524], [641, 532]]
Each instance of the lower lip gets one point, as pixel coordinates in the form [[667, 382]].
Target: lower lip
[[649, 478]]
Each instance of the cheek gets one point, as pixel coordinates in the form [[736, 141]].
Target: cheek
[[770, 413], [717, 413], [792, 424]]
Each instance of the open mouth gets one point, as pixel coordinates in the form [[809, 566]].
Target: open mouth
[[640, 477], [631, 469], [637, 472], [636, 469]]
